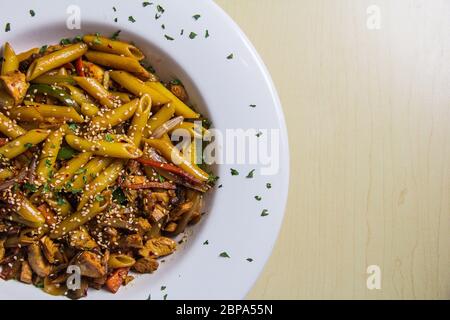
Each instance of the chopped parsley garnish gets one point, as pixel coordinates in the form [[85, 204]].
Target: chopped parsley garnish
[[268, 185], [65, 42], [251, 174], [253, 106], [48, 163], [224, 255], [157, 16], [146, 4], [77, 39], [32, 13], [230, 56], [163, 288], [176, 82], [220, 187], [116, 19], [160, 9], [265, 213], [73, 127], [206, 243], [46, 188], [28, 145], [196, 16], [66, 153], [169, 37], [99, 198], [249, 259], [258, 198], [192, 35], [119, 196], [116, 35], [60, 201], [43, 49], [163, 27], [182, 32], [234, 172], [114, 9], [109, 138], [8, 27], [131, 19], [165, 296], [161, 178], [207, 33], [85, 180], [212, 178], [259, 134], [30, 187], [81, 171]]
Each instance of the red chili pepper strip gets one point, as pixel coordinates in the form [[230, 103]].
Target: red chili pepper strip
[[79, 67], [170, 168], [114, 282]]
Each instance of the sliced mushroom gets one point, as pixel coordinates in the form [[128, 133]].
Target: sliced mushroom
[[81, 239], [37, 261], [15, 83], [26, 274], [51, 250]]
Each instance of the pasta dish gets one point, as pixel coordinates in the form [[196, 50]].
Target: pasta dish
[[91, 183]]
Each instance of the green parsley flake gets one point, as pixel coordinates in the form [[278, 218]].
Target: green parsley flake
[[251, 174], [28, 145], [146, 4], [224, 255], [230, 56], [207, 33], [116, 35], [265, 213], [268, 185], [48, 163], [165, 297], [253, 106], [8, 27], [258, 198], [131, 19], [60, 201], [196, 16], [206, 243], [32, 13], [109, 138], [168, 37], [259, 134], [73, 127], [30, 187], [249, 259], [192, 35], [43, 49], [234, 172], [163, 288], [160, 9], [99, 198]]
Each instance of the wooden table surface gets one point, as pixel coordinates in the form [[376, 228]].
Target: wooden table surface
[[365, 87]]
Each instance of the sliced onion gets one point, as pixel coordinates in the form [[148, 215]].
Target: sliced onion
[[166, 127], [17, 179]]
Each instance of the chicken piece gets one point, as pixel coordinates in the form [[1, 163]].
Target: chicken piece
[[158, 247], [51, 250], [15, 84], [90, 264], [142, 225], [181, 210], [93, 71], [81, 239], [170, 227], [26, 274], [146, 265], [158, 213], [37, 261]]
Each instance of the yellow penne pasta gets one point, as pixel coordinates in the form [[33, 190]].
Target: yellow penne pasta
[[168, 151], [103, 44], [195, 131], [181, 109], [27, 54], [5, 174], [90, 171], [55, 60], [23, 207], [104, 148], [103, 181], [88, 108], [114, 117], [140, 119], [122, 96], [42, 112], [162, 116], [97, 91], [138, 87], [118, 62], [67, 172], [9, 128], [48, 155], [23, 143], [10, 61]]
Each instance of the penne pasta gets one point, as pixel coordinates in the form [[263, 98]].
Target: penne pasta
[[42, 112], [161, 117], [138, 87], [23, 143], [168, 151], [90, 171], [97, 91], [27, 54], [104, 180], [10, 61], [181, 109], [48, 155], [27, 213], [140, 119], [114, 117], [104, 148], [65, 174], [55, 60], [9, 128], [120, 48], [118, 62], [120, 261], [88, 108]]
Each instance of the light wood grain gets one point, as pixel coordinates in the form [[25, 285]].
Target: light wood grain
[[369, 123]]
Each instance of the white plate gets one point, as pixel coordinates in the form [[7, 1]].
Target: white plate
[[221, 88]]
